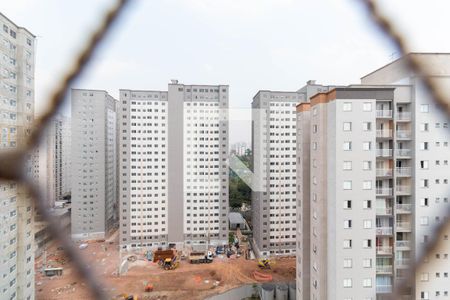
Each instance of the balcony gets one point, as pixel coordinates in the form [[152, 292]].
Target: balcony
[[403, 116], [385, 113], [384, 172], [402, 262], [384, 269], [403, 134], [384, 231], [385, 133], [384, 152], [384, 289], [384, 191], [403, 208], [403, 152], [384, 210], [403, 189], [403, 171], [384, 250], [403, 245], [403, 226]]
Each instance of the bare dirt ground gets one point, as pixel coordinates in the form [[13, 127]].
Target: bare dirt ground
[[188, 281]]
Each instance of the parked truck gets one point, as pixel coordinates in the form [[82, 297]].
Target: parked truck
[[200, 257]]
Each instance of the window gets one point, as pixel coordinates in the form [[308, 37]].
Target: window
[[347, 283], [367, 282], [424, 183], [347, 224], [347, 244], [424, 164], [367, 146], [367, 263], [347, 146], [367, 126], [347, 262], [347, 165], [423, 220], [347, 106], [367, 204], [424, 202], [367, 185], [424, 108], [367, 165], [347, 204], [424, 277], [314, 128], [347, 185], [347, 126], [367, 106], [424, 146], [424, 127], [367, 224], [367, 243]]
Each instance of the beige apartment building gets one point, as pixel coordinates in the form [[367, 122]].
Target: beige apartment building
[[372, 174]]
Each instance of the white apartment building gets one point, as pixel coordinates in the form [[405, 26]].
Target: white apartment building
[[173, 148], [274, 160], [16, 116], [422, 200], [373, 187], [94, 164]]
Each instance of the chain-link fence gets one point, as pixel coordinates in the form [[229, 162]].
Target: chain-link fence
[[12, 163]]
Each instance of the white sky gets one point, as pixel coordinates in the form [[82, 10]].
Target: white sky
[[248, 44]]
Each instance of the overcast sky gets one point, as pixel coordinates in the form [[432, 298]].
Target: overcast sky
[[247, 44]]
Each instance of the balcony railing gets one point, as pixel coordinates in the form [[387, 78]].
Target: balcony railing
[[384, 288], [403, 116], [403, 134], [385, 133], [403, 171], [403, 208], [402, 262], [384, 250], [403, 189], [384, 231], [384, 152], [405, 226], [384, 191], [384, 268], [403, 152], [384, 210], [384, 113], [403, 244], [384, 172]]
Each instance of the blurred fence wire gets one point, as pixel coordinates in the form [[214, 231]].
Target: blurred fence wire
[[12, 166], [419, 68]]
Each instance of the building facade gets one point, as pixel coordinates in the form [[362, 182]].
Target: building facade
[[16, 116], [421, 174], [53, 160], [94, 161], [173, 149], [274, 171], [373, 186]]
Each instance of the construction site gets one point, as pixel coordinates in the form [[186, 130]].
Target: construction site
[[158, 274]]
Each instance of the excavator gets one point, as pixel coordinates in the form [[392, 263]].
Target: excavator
[[264, 263]]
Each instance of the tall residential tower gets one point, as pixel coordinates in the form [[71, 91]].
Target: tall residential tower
[[94, 164], [173, 148], [16, 117]]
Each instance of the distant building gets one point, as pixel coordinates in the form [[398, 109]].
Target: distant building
[[17, 54], [174, 166], [274, 160], [240, 149], [236, 221], [94, 164]]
